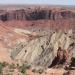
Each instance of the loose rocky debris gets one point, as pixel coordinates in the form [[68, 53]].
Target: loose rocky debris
[[42, 52]]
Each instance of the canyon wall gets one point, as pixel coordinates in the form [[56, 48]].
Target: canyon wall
[[37, 14], [57, 18]]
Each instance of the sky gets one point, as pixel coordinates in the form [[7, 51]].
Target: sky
[[49, 2]]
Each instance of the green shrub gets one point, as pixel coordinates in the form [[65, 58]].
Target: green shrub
[[1, 67], [9, 74], [5, 64], [23, 68], [12, 66]]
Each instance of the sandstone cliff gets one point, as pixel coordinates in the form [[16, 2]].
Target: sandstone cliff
[[37, 13]]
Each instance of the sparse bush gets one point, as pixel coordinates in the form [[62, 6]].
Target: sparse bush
[[2, 65], [12, 66], [5, 64], [9, 74], [23, 68], [17, 65]]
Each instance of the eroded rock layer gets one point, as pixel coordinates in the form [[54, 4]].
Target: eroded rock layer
[[42, 50], [37, 13]]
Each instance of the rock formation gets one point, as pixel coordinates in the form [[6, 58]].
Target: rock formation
[[41, 51]]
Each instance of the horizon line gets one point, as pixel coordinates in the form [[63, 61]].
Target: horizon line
[[37, 4]]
